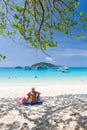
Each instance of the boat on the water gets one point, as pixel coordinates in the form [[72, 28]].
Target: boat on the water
[[63, 68]]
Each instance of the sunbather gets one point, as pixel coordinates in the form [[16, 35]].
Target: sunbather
[[33, 96]]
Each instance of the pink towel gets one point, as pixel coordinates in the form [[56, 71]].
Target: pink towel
[[22, 101]]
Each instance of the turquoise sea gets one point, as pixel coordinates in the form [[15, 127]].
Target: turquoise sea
[[22, 75]]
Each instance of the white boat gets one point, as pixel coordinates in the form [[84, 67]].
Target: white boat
[[63, 68]]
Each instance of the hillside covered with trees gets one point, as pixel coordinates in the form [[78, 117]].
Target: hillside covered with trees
[[44, 65]]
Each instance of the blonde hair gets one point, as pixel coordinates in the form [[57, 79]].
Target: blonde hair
[[32, 88]]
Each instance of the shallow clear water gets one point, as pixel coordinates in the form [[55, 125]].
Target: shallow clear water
[[43, 75]]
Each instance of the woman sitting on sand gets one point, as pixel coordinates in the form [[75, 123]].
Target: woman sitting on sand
[[33, 96]]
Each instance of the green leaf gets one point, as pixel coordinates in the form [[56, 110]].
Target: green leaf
[[1, 7], [2, 57], [78, 36], [67, 20], [81, 14], [2, 14], [16, 16], [1, 31], [9, 33], [36, 33], [11, 7], [66, 32], [44, 48], [15, 32], [84, 26], [74, 24], [84, 20], [7, 0], [77, 4], [20, 8], [83, 35]]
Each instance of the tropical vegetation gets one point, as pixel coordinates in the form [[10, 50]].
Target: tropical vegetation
[[37, 21]]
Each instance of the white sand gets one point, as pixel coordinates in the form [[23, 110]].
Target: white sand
[[58, 111], [11, 90]]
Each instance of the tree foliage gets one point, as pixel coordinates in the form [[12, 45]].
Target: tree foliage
[[2, 57], [38, 20]]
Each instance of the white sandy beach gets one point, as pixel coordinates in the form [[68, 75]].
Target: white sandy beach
[[64, 106], [12, 90]]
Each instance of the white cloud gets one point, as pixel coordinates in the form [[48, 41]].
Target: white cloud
[[72, 52], [50, 59]]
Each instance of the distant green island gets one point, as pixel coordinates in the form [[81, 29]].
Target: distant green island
[[43, 65], [40, 65]]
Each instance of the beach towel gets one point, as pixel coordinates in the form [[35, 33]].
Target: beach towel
[[38, 103], [22, 101]]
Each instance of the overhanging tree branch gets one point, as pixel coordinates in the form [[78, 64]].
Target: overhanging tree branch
[[37, 20]]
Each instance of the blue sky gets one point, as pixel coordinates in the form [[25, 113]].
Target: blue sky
[[70, 52]]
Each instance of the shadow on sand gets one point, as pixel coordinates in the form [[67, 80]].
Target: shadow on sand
[[63, 112]]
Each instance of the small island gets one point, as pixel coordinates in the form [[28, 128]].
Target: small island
[[43, 65], [18, 67]]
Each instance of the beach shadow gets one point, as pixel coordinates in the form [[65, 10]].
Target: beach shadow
[[56, 113], [13, 126]]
